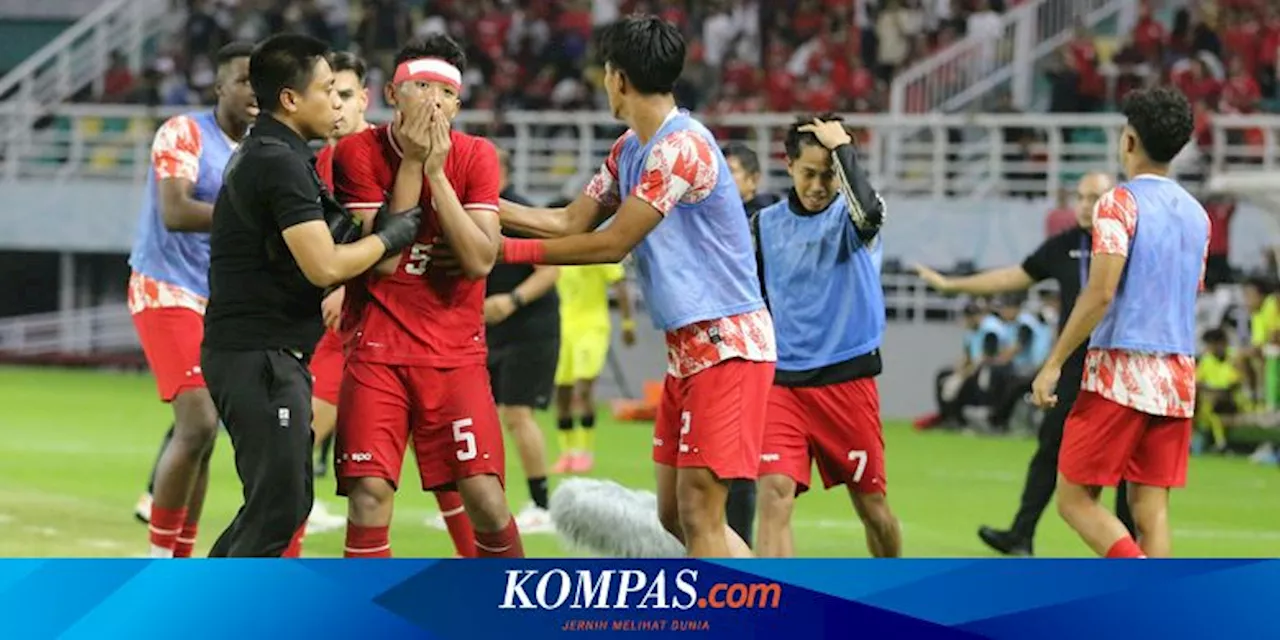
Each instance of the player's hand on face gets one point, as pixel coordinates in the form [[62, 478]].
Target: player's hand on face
[[498, 308], [443, 258], [414, 125], [830, 134], [1044, 387], [440, 140], [331, 308], [933, 278]]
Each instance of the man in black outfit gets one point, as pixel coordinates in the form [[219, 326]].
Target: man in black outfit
[[1065, 258], [744, 164], [522, 318], [278, 241]]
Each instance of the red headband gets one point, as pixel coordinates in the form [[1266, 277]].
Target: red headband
[[429, 70]]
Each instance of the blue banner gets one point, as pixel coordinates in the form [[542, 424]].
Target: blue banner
[[528, 600]]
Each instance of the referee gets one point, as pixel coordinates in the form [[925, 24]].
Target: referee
[[1065, 258], [272, 254]]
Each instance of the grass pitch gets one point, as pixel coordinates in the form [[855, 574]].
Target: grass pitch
[[76, 448]]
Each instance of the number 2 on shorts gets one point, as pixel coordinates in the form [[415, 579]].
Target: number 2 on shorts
[[465, 438]]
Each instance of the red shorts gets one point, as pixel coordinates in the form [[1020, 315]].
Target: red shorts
[[326, 367], [838, 425], [1103, 442], [171, 338], [714, 419], [449, 413]]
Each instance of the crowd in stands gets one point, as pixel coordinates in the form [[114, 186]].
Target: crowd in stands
[[744, 55]]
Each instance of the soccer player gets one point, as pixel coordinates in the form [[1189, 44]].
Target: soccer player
[[672, 200], [819, 253], [1064, 258], [169, 288], [585, 333], [1133, 416], [416, 367]]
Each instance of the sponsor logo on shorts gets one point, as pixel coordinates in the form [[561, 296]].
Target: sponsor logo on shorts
[[358, 456], [770, 457]]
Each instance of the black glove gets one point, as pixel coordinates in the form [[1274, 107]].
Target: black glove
[[343, 227], [397, 230]]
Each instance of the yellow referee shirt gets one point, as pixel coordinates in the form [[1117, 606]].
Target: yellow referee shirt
[[584, 296]]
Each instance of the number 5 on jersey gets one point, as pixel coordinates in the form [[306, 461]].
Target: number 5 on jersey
[[419, 258]]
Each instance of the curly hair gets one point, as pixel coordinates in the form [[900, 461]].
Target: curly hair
[[1163, 120]]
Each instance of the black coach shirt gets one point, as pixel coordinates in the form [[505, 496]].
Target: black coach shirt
[[258, 297], [538, 319], [1065, 258]]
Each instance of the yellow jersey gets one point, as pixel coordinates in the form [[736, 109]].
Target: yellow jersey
[[1264, 322], [584, 296], [1216, 373]]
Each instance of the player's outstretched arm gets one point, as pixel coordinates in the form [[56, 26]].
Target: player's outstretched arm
[[634, 220], [1000, 280], [582, 215]]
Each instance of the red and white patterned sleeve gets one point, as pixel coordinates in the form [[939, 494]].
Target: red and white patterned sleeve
[[604, 186], [175, 152], [681, 169], [1115, 218]]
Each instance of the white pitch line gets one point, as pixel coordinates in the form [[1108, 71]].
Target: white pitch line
[[96, 543], [47, 532]]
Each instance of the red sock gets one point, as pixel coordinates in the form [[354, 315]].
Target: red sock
[[500, 544], [166, 526], [186, 540], [456, 520], [294, 550], [367, 542], [1125, 548]]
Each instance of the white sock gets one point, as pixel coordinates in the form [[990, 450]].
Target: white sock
[[161, 552]]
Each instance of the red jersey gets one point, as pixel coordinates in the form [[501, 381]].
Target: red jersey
[[419, 315], [324, 165]]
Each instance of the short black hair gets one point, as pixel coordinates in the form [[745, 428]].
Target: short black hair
[[746, 157], [1213, 336], [797, 138], [347, 61], [648, 50], [281, 62], [1163, 120], [233, 50], [436, 45]]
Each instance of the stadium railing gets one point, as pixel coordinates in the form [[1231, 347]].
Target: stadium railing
[[77, 59], [974, 66], [958, 157]]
